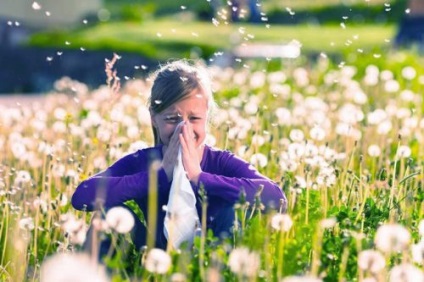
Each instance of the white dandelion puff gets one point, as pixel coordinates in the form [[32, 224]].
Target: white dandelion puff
[[244, 262], [281, 222], [71, 267], [157, 261], [120, 219], [371, 261], [374, 150], [392, 238]]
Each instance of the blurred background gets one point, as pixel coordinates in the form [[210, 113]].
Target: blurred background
[[42, 41]]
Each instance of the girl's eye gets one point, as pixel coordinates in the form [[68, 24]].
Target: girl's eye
[[194, 118], [172, 119]]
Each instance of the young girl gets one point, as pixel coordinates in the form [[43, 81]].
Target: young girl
[[181, 103]]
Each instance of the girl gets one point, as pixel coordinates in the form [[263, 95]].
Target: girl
[[181, 104]]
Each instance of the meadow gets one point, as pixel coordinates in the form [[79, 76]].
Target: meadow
[[342, 138]]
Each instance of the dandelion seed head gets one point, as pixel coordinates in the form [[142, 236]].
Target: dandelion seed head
[[370, 260], [71, 267], [157, 261], [392, 238], [120, 219], [406, 273], [281, 222], [244, 262]]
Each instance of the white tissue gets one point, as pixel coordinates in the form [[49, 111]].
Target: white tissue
[[181, 215]]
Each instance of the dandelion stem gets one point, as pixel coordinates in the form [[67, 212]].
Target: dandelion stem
[[152, 205]]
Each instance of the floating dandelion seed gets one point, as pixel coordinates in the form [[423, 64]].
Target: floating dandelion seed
[[377, 56], [82, 49], [84, 21], [407, 11], [183, 7], [48, 13], [343, 25], [67, 43], [215, 22], [59, 53], [158, 102], [17, 23], [10, 23], [195, 34], [36, 6], [159, 34], [49, 59]]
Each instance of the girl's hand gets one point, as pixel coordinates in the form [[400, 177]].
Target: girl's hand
[[170, 153], [190, 154]]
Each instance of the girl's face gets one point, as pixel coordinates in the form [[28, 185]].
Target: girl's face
[[193, 110]]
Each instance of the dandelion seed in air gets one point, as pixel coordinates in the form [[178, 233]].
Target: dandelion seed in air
[[36, 6], [183, 7], [9, 23], [82, 49], [407, 11], [84, 21], [49, 59], [48, 13], [343, 25], [159, 34], [67, 43], [17, 23]]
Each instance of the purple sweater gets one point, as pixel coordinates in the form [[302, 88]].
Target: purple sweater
[[223, 176]]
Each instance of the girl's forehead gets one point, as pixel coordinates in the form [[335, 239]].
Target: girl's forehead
[[194, 103]]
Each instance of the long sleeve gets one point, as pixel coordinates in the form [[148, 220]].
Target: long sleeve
[[127, 179], [227, 175]]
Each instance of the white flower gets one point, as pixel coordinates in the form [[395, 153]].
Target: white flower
[[301, 279], [391, 86], [281, 222], [78, 267], [421, 228], [374, 150], [328, 222], [259, 159], [406, 273], [384, 127], [392, 238], [409, 73], [371, 261], [120, 219], [296, 135], [22, 176], [26, 223], [317, 133], [403, 152], [418, 252], [157, 261], [243, 262]]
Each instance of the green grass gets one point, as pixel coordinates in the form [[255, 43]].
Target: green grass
[[167, 38]]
